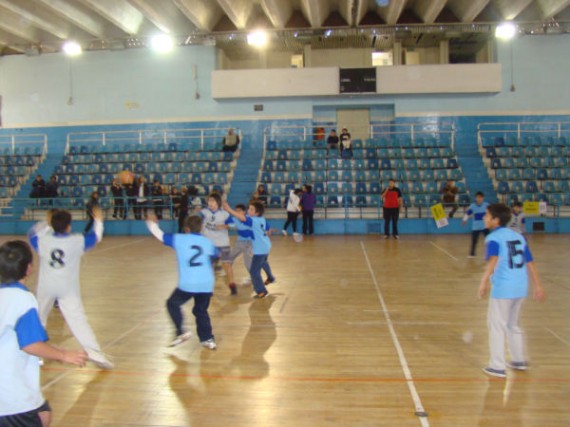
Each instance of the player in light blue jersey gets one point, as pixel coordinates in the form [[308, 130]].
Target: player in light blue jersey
[[194, 254], [477, 210], [509, 265], [261, 245]]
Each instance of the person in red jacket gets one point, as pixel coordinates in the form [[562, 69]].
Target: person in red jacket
[[391, 203]]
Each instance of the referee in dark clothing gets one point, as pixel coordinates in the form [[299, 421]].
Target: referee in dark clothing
[[391, 203]]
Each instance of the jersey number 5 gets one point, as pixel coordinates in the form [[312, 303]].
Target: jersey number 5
[[515, 250], [198, 252]]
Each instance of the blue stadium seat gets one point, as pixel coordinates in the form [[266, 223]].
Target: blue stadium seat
[[275, 202], [514, 174], [531, 187], [441, 174], [361, 201], [385, 164], [501, 174], [503, 187], [332, 188], [548, 187], [414, 175], [332, 201], [456, 175], [428, 175], [430, 187], [373, 175], [307, 165], [372, 164], [490, 152], [319, 188]]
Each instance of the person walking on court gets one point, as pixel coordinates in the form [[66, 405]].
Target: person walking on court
[[449, 192], [308, 202], [391, 205], [477, 210], [509, 263], [293, 210], [196, 279], [60, 255]]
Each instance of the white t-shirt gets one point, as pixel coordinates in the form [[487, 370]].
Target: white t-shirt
[[212, 219], [293, 202]]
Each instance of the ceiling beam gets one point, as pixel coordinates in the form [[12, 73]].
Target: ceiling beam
[[510, 9], [316, 11], [352, 11], [278, 11], [82, 18], [391, 13], [428, 10], [467, 10], [239, 11], [204, 14], [12, 41], [165, 16], [121, 13], [39, 17], [12, 23], [550, 8]]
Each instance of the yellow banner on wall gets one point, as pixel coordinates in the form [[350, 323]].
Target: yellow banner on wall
[[531, 208]]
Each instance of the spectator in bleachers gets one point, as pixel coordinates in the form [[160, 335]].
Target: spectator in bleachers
[[92, 204], [38, 187], [175, 202], [293, 210], [345, 144], [51, 187], [260, 195], [157, 200], [449, 192], [231, 141], [118, 201], [332, 141], [141, 203], [308, 202], [391, 204], [131, 197]]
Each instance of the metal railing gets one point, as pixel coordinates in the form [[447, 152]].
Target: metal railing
[[24, 144]]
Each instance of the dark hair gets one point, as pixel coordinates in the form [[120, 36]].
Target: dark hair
[[241, 207], [309, 188], [392, 180], [259, 209], [216, 196], [479, 193], [298, 191], [60, 220], [500, 211], [193, 223], [517, 205], [192, 191], [15, 257]]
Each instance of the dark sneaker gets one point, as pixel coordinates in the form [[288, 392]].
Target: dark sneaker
[[499, 373], [233, 288], [518, 366], [270, 281]]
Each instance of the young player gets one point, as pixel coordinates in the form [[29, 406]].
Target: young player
[[518, 221], [509, 264], [194, 254], [261, 244], [60, 255], [477, 210], [215, 228], [22, 342]]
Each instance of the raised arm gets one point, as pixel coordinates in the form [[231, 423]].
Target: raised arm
[[238, 215], [152, 225]]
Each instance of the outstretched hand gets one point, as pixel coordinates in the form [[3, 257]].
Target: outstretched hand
[[75, 357], [97, 213], [150, 216]]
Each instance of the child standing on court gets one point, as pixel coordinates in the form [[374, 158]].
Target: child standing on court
[[293, 210], [60, 255], [518, 221], [194, 254], [215, 228], [477, 210], [509, 264], [23, 342], [261, 244]]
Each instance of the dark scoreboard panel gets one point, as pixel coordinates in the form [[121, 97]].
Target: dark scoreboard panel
[[358, 80]]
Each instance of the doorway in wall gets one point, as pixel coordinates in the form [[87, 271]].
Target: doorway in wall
[[357, 121]]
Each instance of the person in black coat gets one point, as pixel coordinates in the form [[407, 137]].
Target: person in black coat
[[92, 203], [131, 198], [38, 187], [118, 201], [157, 200], [142, 198]]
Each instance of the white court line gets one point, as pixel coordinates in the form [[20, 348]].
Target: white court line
[[558, 336], [109, 344], [122, 245], [420, 411], [444, 251]]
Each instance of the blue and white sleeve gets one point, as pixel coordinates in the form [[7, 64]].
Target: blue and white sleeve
[[29, 329], [492, 249], [155, 230], [39, 229]]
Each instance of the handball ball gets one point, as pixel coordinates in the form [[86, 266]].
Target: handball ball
[[126, 177]]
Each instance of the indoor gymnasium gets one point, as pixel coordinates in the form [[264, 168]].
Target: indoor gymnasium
[[284, 213]]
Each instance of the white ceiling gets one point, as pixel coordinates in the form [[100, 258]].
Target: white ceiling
[[43, 25]]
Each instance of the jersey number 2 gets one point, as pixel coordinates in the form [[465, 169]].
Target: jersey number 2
[[198, 252], [515, 251]]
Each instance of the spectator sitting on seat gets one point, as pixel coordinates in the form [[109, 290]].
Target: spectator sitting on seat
[[38, 187], [260, 195], [52, 187], [332, 141], [449, 192], [345, 146], [231, 141]]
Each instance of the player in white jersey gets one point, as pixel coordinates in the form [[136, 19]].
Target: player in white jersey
[[518, 221], [215, 228], [60, 255]]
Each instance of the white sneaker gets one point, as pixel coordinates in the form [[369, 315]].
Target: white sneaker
[[470, 256], [100, 359], [284, 232], [209, 344], [180, 339], [221, 273], [246, 281]]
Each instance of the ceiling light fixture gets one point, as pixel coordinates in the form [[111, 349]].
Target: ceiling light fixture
[[162, 43], [72, 48], [257, 38], [505, 31]]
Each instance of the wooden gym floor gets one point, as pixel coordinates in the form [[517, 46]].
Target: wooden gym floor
[[357, 331]]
